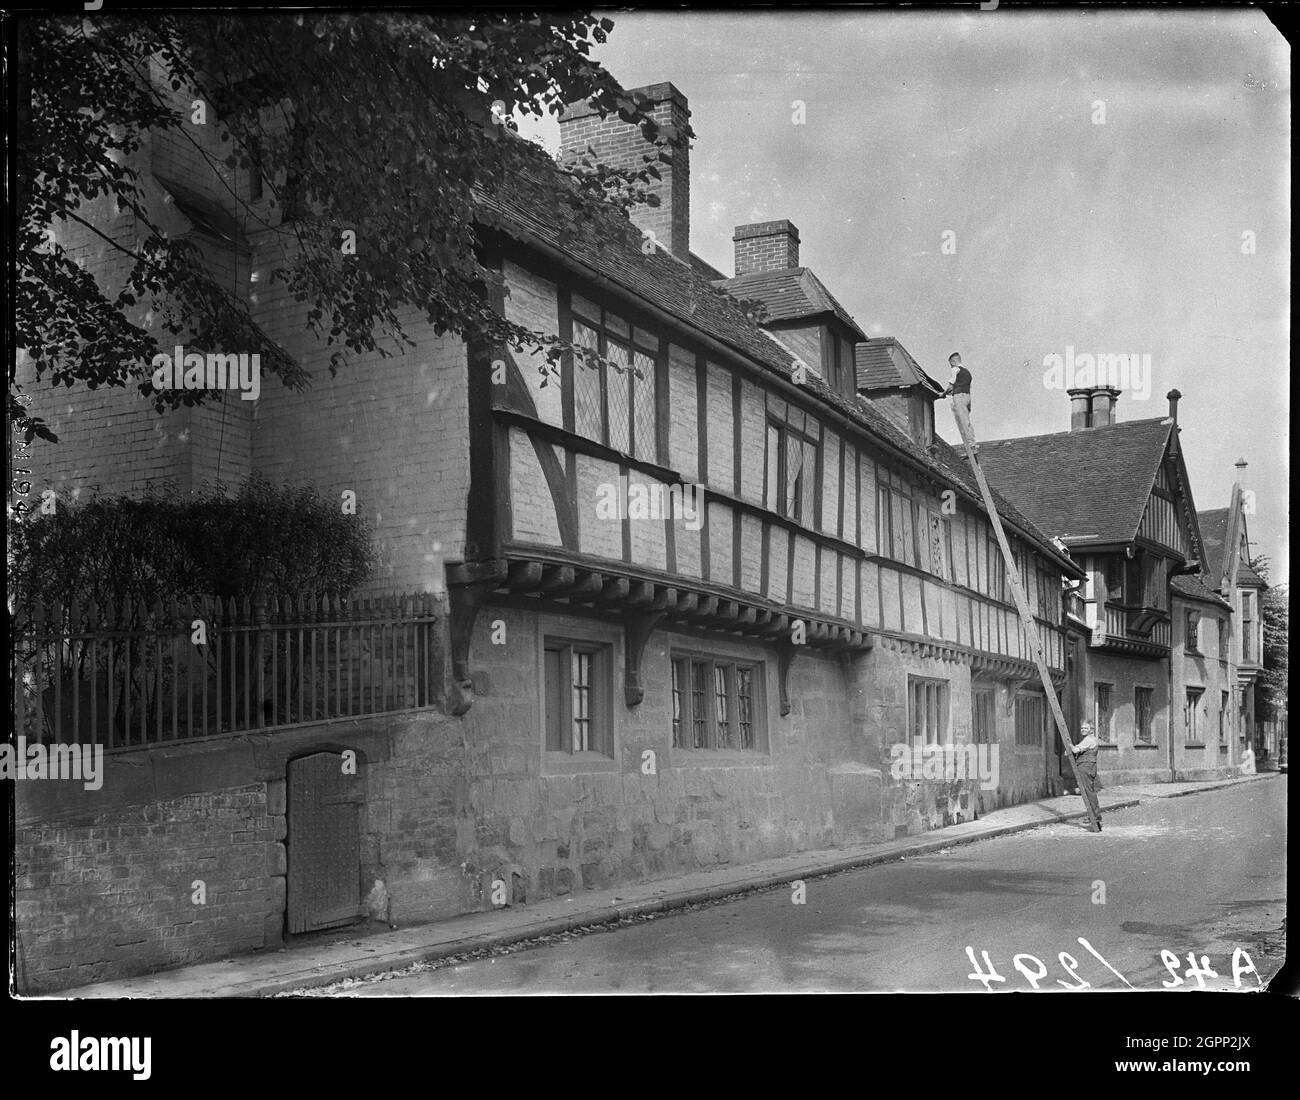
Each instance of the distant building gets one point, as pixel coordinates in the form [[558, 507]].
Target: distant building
[[1234, 579], [1153, 666]]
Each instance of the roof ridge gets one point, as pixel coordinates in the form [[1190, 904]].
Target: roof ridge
[[1081, 432]]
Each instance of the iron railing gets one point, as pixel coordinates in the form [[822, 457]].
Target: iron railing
[[125, 674]]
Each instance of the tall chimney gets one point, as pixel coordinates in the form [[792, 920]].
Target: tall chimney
[[1240, 467], [1103, 406], [620, 145], [1173, 396], [766, 246], [1080, 409]]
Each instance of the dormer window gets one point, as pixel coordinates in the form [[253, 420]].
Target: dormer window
[[837, 361]]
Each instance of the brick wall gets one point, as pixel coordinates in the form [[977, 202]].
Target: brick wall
[[110, 440], [766, 246], [105, 878], [620, 145], [110, 892]]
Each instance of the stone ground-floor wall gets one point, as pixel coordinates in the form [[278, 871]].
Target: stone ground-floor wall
[[1007, 773], [463, 814], [113, 890], [181, 854], [552, 822]]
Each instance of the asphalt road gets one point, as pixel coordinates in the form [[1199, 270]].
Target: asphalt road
[[1205, 873]]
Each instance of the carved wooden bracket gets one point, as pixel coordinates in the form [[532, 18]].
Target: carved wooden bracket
[[637, 628], [1013, 687], [464, 599], [785, 651]]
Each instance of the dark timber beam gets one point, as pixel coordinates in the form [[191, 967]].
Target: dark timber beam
[[525, 575], [556, 578], [785, 652], [637, 628], [464, 601], [615, 590]]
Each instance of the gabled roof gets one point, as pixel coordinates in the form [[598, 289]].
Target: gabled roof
[[789, 295], [1198, 586], [1214, 535], [703, 267], [1087, 486], [883, 363], [531, 208]]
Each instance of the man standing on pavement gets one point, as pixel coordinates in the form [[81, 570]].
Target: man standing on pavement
[[1085, 763]]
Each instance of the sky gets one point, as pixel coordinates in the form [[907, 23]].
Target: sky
[[1014, 185]]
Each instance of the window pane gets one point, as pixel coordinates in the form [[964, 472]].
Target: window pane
[[677, 703], [772, 475], [882, 519], [699, 700], [643, 404], [745, 706], [587, 418], [794, 456], [723, 712], [581, 664], [809, 489], [618, 380]]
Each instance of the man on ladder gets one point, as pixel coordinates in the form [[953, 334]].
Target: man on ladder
[[959, 383], [959, 390]]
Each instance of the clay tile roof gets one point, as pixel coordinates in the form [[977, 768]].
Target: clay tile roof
[[789, 295], [1198, 586], [883, 363], [1086, 486], [1214, 537]]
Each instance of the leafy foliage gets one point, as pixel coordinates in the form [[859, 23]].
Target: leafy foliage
[[390, 125], [268, 540], [1271, 695]]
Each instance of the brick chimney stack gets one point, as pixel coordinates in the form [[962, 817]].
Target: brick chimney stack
[[766, 246], [620, 145]]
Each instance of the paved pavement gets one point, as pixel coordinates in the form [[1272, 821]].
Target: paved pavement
[[871, 929]]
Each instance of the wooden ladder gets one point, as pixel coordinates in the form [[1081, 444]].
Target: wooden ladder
[[1022, 603]]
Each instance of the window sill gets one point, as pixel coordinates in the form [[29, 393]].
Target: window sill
[[576, 763], [1113, 746], [1193, 744], [1145, 745]]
